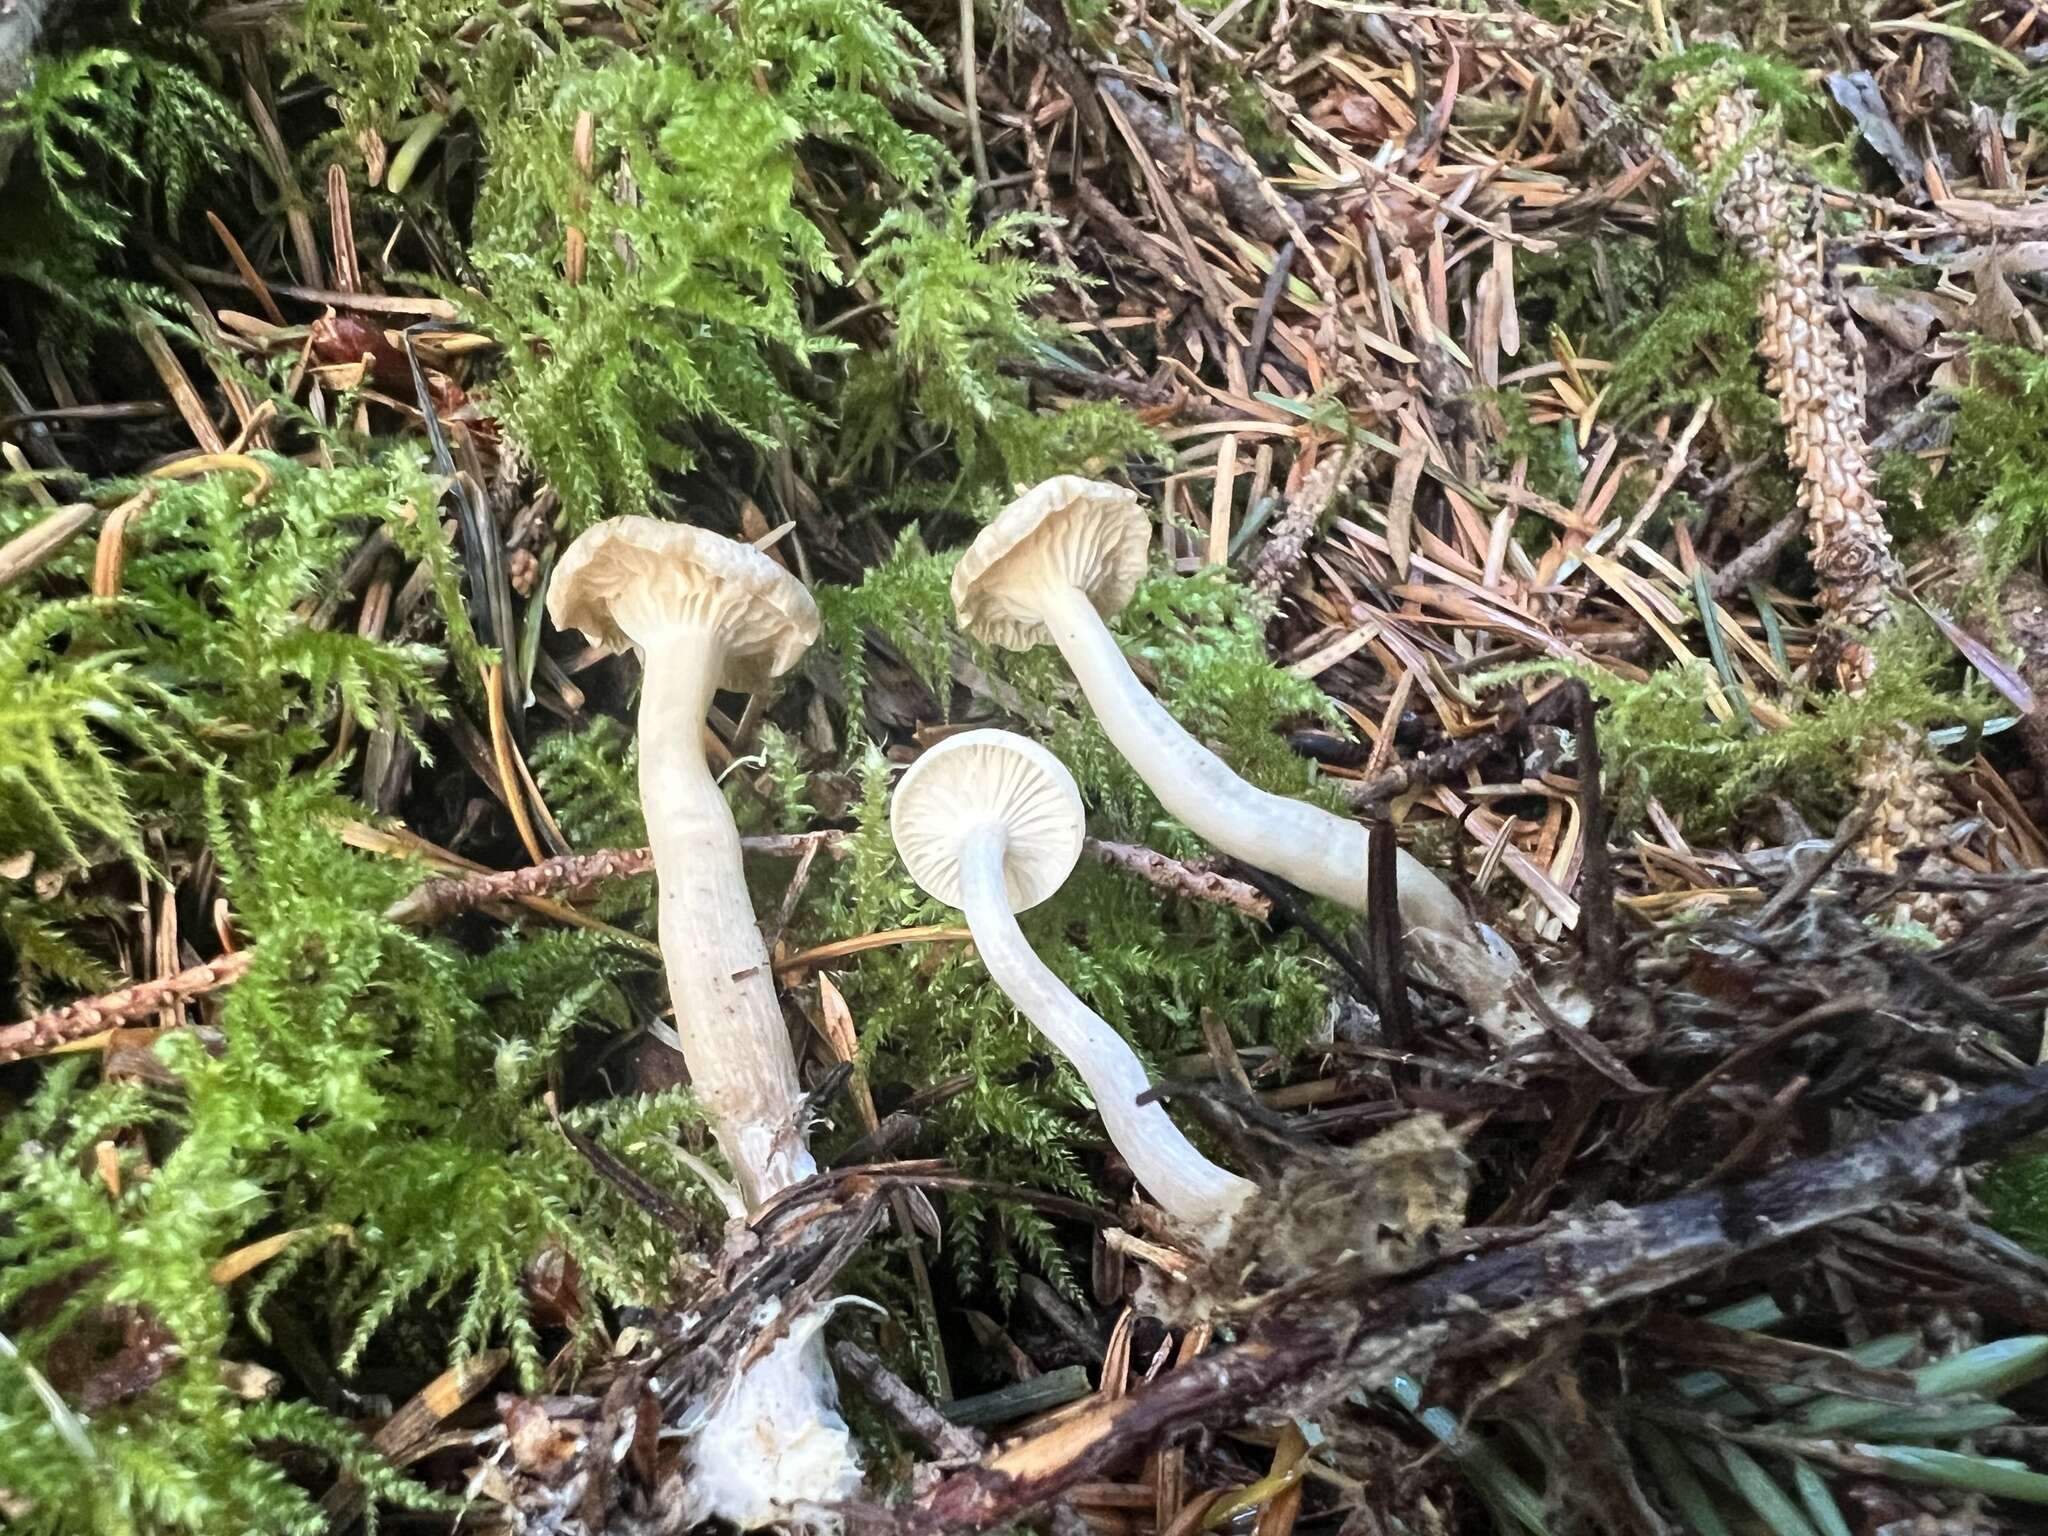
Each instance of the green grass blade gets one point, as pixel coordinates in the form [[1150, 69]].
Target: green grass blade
[[1681, 1485], [1922, 1426], [1953, 1469], [1985, 1371], [1819, 1502], [1506, 1493], [1880, 1353], [1717, 645], [1756, 1315], [1761, 1492]]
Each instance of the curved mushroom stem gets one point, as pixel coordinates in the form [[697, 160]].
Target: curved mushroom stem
[[719, 980], [1196, 1193], [1322, 853]]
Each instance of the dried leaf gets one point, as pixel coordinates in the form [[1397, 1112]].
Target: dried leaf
[[1905, 316], [1987, 661], [1857, 94]]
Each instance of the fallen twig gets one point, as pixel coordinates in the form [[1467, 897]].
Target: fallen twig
[[895, 1397], [432, 902], [1179, 879], [1332, 1333]]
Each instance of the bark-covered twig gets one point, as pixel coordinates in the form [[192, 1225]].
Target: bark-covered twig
[[1247, 197], [44, 1032], [1441, 766], [893, 1395], [1334, 1334], [1757, 556], [1178, 879], [435, 901], [1597, 936], [431, 902]]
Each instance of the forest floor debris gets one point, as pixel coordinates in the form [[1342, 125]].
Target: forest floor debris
[[1599, 451]]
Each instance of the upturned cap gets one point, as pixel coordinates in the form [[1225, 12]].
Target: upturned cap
[[1087, 533], [966, 781], [630, 576]]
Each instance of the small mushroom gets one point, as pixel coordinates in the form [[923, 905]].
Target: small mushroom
[[992, 824], [705, 613], [1054, 565]]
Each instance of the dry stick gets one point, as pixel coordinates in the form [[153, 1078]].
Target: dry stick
[[1441, 766], [1494, 1299], [42, 541], [1756, 557], [357, 303], [1383, 934], [970, 93], [44, 1032], [895, 1397], [175, 379], [1246, 196], [1179, 879]]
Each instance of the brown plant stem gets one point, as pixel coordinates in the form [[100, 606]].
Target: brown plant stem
[[44, 1032]]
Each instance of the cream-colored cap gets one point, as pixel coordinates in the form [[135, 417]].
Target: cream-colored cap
[[628, 572], [1087, 533], [966, 781]]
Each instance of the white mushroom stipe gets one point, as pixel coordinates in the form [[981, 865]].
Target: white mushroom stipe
[[705, 613], [992, 824], [762, 1448], [1052, 566]]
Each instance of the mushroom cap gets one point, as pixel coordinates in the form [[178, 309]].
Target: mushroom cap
[[630, 575], [1093, 534], [970, 779]]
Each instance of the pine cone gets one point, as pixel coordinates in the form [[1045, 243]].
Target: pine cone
[[1774, 218], [1910, 808]]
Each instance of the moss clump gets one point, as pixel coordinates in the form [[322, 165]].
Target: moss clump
[[105, 139], [1659, 738], [1995, 479], [375, 1094], [2017, 1193]]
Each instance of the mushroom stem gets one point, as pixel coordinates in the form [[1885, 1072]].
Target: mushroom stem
[[719, 980], [1200, 1196], [1322, 853], [706, 612]]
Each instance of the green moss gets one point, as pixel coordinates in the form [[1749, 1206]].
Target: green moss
[[2017, 1193], [1700, 346], [1588, 289], [109, 140], [1995, 480], [1658, 737], [1550, 450], [375, 1090], [691, 312], [1699, 75]]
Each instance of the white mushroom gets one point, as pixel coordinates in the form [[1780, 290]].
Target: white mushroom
[[1054, 565], [992, 824], [705, 613]]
